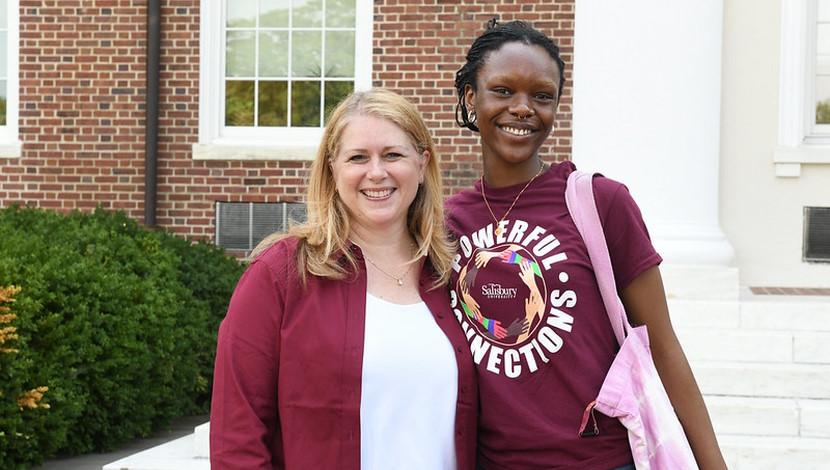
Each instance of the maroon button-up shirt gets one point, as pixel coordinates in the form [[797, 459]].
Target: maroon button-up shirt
[[286, 390]]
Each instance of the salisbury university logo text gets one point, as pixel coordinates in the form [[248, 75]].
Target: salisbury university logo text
[[496, 291], [513, 320]]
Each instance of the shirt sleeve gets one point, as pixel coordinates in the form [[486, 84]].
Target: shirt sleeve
[[629, 244], [244, 430]]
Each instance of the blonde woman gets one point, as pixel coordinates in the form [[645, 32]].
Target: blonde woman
[[339, 349]]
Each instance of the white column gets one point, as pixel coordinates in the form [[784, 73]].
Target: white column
[[647, 80]]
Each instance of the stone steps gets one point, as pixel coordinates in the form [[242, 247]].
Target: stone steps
[[705, 313], [786, 313], [753, 416], [763, 365], [777, 313], [174, 455], [705, 344], [775, 452], [753, 345], [756, 379]]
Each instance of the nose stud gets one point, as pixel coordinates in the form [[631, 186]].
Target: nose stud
[[523, 112]]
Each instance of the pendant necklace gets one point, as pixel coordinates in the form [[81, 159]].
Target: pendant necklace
[[398, 280], [498, 222]]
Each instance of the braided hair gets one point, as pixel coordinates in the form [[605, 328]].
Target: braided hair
[[496, 35]]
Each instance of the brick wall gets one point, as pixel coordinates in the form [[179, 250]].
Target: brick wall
[[82, 81], [81, 99]]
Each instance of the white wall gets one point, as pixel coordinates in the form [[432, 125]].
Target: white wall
[[762, 214]]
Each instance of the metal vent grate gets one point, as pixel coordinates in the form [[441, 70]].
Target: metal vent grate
[[817, 234], [242, 225]]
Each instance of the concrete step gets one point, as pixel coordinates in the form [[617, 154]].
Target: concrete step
[[713, 344], [705, 313], [811, 347], [788, 313], [775, 453], [815, 418], [753, 416], [778, 313], [716, 344], [201, 441], [700, 282], [763, 379], [173, 455]]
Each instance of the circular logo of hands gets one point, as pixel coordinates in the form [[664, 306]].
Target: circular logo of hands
[[523, 322]]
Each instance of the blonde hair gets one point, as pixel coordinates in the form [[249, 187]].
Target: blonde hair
[[324, 237]]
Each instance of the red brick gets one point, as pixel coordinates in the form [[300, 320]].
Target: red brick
[[82, 79]]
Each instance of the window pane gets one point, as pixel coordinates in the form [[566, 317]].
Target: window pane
[[3, 53], [823, 39], [306, 55], [339, 54], [273, 103], [823, 99], [4, 23], [823, 65], [2, 102], [273, 14], [308, 13], [273, 54], [241, 13], [340, 13], [239, 54], [335, 92], [823, 10], [305, 104], [239, 103]]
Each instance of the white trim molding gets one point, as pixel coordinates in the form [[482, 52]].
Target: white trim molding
[[263, 151], [796, 143], [10, 145], [217, 142]]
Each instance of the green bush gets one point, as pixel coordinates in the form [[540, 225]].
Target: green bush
[[118, 322]]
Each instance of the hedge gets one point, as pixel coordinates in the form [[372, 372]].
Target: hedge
[[113, 331]]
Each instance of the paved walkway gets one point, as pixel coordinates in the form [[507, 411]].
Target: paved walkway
[[178, 428]]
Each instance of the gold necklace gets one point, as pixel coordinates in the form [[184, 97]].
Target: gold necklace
[[499, 229], [399, 280]]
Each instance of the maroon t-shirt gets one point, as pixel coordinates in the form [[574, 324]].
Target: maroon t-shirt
[[530, 306]]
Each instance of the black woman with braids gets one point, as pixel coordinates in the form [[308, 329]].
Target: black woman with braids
[[523, 286]]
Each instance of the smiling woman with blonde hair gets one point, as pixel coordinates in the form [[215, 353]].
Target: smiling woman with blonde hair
[[339, 349], [327, 228]]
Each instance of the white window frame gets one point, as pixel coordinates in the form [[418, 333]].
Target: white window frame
[[800, 140], [217, 142], [10, 144]]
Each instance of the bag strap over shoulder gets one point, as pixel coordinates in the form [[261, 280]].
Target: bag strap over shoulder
[[579, 197]]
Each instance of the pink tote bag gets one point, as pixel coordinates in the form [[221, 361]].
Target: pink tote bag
[[632, 391]]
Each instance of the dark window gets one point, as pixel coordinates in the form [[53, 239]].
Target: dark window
[[242, 225], [817, 234]]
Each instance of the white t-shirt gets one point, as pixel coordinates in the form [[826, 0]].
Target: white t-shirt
[[409, 389]]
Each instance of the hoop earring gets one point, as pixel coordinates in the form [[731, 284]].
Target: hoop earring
[[472, 117]]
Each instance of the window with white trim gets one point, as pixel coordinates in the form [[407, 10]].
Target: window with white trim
[[9, 24], [271, 71], [804, 86], [819, 62]]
